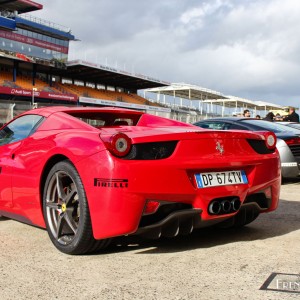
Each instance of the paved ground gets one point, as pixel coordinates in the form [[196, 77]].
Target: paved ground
[[209, 264]]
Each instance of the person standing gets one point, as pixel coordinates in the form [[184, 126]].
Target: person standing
[[247, 113], [278, 117], [292, 116], [270, 117]]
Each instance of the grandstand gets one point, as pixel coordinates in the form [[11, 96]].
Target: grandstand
[[35, 71]]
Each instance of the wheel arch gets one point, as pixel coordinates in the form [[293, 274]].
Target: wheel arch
[[50, 163], [83, 241]]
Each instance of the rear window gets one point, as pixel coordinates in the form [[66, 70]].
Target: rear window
[[107, 119]]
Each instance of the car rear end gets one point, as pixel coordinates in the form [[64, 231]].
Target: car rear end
[[169, 183], [287, 139], [289, 148]]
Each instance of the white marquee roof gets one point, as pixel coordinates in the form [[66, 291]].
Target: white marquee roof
[[193, 92], [232, 101], [187, 91]]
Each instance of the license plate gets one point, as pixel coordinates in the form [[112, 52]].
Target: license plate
[[221, 178]]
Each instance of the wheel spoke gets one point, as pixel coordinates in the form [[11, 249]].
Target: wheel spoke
[[69, 219], [70, 196], [59, 226], [59, 186], [53, 205]]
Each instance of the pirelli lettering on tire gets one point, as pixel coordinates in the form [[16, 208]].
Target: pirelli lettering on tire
[[111, 183]]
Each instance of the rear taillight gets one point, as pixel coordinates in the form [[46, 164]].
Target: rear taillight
[[293, 141], [119, 144], [270, 139]]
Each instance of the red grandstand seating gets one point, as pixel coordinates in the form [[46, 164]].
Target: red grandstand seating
[[85, 91], [25, 82]]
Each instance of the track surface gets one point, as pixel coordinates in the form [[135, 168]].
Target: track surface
[[209, 264]]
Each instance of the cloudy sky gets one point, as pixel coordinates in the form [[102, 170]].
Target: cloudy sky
[[249, 49]]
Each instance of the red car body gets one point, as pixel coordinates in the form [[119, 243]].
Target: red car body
[[155, 192]]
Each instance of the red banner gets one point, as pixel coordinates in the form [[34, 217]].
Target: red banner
[[31, 41], [37, 94]]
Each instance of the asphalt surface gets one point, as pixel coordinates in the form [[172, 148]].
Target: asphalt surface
[[260, 261]]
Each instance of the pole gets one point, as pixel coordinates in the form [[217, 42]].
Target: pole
[[32, 99]]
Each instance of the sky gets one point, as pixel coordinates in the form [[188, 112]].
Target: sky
[[248, 49]]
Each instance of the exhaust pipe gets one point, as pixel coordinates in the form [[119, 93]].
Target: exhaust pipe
[[226, 206], [235, 204], [214, 208], [217, 207]]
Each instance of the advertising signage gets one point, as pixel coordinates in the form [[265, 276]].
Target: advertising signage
[[32, 41], [37, 94]]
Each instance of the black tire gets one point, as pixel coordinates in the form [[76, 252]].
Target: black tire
[[66, 211]]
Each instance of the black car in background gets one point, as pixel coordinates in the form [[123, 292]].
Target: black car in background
[[291, 124], [288, 138]]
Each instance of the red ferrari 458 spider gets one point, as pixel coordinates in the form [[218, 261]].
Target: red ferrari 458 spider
[[90, 174]]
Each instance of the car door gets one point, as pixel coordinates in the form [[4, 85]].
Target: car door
[[6, 166], [11, 137]]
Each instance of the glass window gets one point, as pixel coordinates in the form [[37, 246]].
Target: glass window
[[236, 126], [272, 126], [216, 125], [99, 119], [19, 129]]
